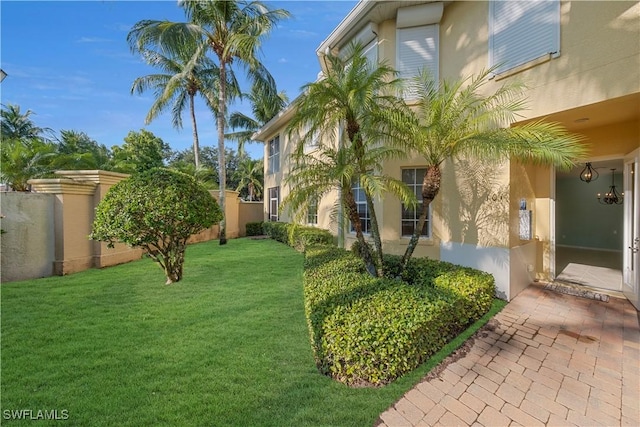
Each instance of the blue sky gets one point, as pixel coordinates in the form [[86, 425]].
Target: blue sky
[[69, 62]]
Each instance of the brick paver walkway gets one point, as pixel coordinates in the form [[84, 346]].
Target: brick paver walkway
[[552, 359]]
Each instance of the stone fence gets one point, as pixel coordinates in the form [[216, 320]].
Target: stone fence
[[46, 231]]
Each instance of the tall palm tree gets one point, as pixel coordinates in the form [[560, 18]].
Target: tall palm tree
[[360, 99], [187, 72], [266, 102], [233, 30], [455, 119]]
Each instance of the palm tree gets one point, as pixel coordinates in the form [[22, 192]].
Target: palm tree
[[15, 125], [266, 102], [233, 30], [25, 159], [455, 119], [76, 150], [25, 151], [250, 174], [361, 100], [187, 72]]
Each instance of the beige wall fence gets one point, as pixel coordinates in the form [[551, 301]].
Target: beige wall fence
[[45, 232]]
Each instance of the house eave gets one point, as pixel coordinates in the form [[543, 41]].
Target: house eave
[[266, 132]]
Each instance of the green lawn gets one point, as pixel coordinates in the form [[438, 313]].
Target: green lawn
[[227, 346]]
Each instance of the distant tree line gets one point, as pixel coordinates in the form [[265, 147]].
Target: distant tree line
[[29, 151]]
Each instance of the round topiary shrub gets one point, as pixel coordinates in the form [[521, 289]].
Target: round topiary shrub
[[157, 210]]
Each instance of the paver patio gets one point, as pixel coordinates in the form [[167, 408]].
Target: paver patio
[[546, 359]]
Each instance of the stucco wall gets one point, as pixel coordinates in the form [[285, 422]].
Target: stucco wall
[[249, 212], [48, 230], [27, 249]]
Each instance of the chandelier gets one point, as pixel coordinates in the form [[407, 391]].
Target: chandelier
[[611, 197], [588, 174]]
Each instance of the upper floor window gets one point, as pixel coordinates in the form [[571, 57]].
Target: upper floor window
[[311, 143], [417, 42], [273, 147], [522, 31], [414, 179]]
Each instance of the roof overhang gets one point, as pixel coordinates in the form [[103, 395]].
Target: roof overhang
[[364, 13], [267, 131]]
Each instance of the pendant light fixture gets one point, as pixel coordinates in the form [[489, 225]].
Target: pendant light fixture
[[611, 197], [588, 174]]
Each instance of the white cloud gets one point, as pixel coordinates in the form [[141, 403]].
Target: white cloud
[[93, 40]]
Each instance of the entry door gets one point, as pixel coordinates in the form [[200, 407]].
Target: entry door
[[631, 261]]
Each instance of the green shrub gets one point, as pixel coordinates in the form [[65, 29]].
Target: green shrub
[[277, 231], [254, 228], [157, 210], [369, 331], [300, 237], [297, 236]]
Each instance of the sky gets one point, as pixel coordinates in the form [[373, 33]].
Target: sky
[[69, 62]]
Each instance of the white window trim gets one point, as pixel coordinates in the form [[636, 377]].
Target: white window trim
[[351, 228], [429, 213], [273, 158], [277, 205]]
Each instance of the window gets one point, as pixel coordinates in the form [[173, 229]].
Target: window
[[312, 143], [312, 211], [370, 52], [273, 164], [417, 41], [274, 201], [522, 31], [414, 178], [363, 209], [417, 49]]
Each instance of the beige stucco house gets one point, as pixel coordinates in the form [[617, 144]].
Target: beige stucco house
[[581, 63]]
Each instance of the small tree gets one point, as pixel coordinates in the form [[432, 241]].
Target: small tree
[[157, 210]]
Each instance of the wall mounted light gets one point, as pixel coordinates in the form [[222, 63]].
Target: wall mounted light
[[611, 197], [588, 174]]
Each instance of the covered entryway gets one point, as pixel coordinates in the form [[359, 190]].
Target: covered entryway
[[595, 236], [590, 225]]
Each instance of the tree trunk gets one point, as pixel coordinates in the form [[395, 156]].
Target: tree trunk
[[196, 142], [352, 209], [375, 233], [430, 189], [222, 168]]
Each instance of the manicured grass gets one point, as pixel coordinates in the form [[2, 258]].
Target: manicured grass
[[226, 346]]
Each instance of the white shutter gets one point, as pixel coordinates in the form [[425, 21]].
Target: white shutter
[[417, 49], [371, 53], [521, 31]]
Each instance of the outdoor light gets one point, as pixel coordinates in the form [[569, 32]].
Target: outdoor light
[[611, 197], [588, 174], [2, 74]]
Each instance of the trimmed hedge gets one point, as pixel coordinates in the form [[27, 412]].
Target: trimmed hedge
[[297, 236], [368, 331], [254, 228]]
